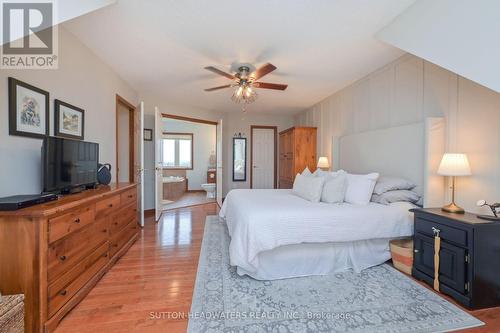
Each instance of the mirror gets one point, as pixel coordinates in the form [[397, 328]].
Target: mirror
[[239, 159]]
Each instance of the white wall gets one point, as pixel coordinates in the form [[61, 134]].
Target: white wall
[[82, 80], [407, 91], [204, 136]]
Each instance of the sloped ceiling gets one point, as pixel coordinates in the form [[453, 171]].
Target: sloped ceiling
[[66, 10], [462, 36], [319, 46]]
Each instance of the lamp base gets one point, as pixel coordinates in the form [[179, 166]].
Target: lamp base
[[452, 208]]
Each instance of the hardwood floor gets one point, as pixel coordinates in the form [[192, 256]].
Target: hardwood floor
[[157, 275]]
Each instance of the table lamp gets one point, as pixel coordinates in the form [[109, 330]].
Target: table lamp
[[454, 165], [323, 163]]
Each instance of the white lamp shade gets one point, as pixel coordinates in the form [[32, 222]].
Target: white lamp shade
[[454, 165], [323, 162]]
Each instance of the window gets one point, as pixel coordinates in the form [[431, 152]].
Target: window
[[177, 151]]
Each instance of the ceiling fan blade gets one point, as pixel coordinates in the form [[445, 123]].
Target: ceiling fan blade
[[264, 70], [275, 86], [217, 88], [218, 71]]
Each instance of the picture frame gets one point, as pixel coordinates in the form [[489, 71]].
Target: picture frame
[[148, 134], [28, 110], [69, 121]]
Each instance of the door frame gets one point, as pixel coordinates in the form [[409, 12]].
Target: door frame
[[275, 128], [200, 121], [132, 109]]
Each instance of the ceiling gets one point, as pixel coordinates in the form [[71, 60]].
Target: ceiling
[[319, 46]]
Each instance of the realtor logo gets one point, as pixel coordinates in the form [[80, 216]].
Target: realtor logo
[[29, 39]]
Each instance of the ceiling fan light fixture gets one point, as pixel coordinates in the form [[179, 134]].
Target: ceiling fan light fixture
[[244, 95]]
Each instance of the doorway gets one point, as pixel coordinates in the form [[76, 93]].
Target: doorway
[[124, 140], [188, 161], [129, 161], [263, 157]]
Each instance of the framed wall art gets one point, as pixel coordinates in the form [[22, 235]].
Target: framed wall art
[[69, 120], [28, 110]]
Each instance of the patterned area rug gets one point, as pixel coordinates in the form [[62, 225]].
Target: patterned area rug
[[379, 299]]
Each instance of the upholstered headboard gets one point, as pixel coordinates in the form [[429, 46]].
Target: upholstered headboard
[[395, 151], [402, 151]]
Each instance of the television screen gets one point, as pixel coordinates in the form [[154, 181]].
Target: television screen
[[68, 164]]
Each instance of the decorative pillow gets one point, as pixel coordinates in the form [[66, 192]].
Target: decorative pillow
[[320, 173], [385, 184], [307, 172], [334, 188], [308, 188], [396, 196], [360, 188]]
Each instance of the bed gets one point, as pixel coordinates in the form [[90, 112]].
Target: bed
[[276, 234]]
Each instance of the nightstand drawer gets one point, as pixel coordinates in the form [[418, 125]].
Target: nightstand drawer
[[449, 234]]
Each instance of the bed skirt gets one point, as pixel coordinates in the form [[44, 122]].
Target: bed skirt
[[319, 259]]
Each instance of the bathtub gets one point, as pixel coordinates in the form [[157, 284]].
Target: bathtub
[[174, 187], [173, 179]]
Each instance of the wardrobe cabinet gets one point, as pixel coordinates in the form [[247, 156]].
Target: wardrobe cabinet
[[297, 150]]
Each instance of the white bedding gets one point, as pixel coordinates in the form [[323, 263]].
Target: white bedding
[[264, 220]]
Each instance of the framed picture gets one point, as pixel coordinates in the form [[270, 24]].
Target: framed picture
[[69, 120], [148, 134], [28, 110]]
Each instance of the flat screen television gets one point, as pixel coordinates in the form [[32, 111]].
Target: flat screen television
[[68, 165]]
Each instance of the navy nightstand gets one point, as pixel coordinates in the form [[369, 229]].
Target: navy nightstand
[[469, 269]]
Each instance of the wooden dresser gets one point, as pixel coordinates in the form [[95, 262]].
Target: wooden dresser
[[297, 151], [469, 256], [56, 252]]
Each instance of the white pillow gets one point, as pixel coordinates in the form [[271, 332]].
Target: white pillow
[[334, 188], [308, 188], [307, 172], [396, 196], [360, 188], [386, 184]]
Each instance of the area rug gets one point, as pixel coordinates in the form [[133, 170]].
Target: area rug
[[379, 299]]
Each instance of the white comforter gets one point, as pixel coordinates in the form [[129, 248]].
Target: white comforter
[[261, 220]]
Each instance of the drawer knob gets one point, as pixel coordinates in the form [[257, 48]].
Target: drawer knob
[[130, 196], [63, 292], [110, 205], [77, 220], [105, 255], [62, 258], [115, 245], [436, 231], [105, 230], [416, 251]]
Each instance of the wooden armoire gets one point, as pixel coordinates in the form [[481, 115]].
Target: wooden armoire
[[297, 151]]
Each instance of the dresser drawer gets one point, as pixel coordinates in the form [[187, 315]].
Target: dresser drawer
[[67, 252], [128, 197], [106, 206], [448, 234], [121, 238], [64, 288], [124, 216], [63, 225]]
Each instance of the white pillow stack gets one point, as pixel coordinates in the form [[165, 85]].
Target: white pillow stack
[[392, 189], [335, 187]]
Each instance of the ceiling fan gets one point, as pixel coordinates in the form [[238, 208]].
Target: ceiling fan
[[246, 82]]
